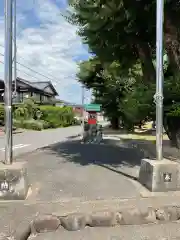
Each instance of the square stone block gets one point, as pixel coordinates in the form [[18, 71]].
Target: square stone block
[[159, 176], [13, 181]]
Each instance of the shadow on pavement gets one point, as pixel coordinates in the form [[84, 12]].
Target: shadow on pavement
[[74, 136], [145, 141], [106, 155]]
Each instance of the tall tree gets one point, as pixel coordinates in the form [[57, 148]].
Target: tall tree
[[113, 32]]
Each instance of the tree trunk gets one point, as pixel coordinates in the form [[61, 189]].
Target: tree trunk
[[115, 122], [170, 126], [172, 43], [147, 66], [172, 63]]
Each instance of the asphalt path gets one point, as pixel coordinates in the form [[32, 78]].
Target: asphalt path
[[29, 141]]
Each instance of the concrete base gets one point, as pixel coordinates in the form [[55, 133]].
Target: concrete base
[[160, 176], [13, 181]]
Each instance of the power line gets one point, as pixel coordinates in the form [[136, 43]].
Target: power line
[[52, 79], [24, 72], [43, 70], [40, 80], [32, 69]]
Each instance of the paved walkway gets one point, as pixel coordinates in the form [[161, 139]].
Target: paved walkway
[[66, 173], [29, 141], [71, 169]]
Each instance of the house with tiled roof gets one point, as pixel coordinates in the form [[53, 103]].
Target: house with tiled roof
[[41, 91]]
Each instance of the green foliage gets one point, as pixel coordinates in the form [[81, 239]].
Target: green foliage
[[57, 116], [32, 124], [121, 31], [31, 116], [115, 88], [174, 111], [21, 113], [2, 114], [31, 107], [27, 110], [138, 104], [121, 35]]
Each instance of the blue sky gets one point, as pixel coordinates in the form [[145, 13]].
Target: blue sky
[[48, 44]]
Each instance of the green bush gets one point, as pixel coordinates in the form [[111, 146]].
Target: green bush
[[2, 114], [174, 110], [32, 124], [21, 113], [30, 116], [57, 116], [27, 110]]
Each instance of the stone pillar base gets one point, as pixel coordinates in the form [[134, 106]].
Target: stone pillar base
[[13, 181], [160, 176]]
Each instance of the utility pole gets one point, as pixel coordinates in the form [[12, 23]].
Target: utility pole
[[159, 78], [83, 98], [8, 81], [15, 50]]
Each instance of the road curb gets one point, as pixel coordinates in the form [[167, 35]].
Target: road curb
[[100, 218]]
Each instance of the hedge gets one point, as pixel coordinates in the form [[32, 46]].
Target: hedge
[[57, 116], [32, 124], [2, 114], [31, 116]]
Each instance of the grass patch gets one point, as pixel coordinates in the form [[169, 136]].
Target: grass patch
[[141, 137]]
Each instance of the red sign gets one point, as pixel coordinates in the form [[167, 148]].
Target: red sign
[[92, 118]]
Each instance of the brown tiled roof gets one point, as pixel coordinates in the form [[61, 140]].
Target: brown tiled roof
[[39, 85]]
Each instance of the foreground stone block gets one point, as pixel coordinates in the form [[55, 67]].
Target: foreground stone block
[[104, 219], [23, 231], [168, 213], [13, 181], [137, 216], [45, 223], [159, 176], [74, 221]]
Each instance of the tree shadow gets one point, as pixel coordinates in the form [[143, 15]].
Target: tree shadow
[[108, 155], [145, 142], [74, 136]]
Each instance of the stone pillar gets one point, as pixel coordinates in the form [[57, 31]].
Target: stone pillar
[[13, 181], [160, 176]]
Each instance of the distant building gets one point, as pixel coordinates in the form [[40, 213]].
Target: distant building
[[40, 91]]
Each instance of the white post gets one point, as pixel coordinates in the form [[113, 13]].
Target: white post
[[159, 78], [15, 49], [83, 98], [8, 81]]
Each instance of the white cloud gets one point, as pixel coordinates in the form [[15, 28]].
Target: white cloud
[[48, 47]]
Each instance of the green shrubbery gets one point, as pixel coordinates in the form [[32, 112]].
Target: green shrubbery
[[1, 115], [31, 116], [57, 116], [33, 124]]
